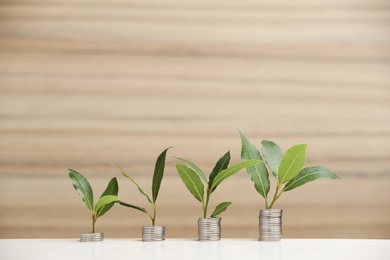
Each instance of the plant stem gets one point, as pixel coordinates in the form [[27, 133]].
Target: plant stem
[[93, 222], [151, 218], [207, 203], [154, 214], [276, 196]]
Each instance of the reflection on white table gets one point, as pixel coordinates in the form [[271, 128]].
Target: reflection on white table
[[187, 249]]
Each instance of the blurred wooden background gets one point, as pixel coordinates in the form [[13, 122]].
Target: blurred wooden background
[[84, 84]]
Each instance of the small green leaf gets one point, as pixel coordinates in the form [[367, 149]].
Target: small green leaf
[[195, 168], [230, 171], [273, 155], [103, 202], [158, 174], [81, 184], [192, 181], [222, 164], [220, 208], [132, 206], [309, 174], [112, 189], [292, 162], [139, 188], [259, 174]]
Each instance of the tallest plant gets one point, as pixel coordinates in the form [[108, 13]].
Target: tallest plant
[[287, 169], [289, 174]]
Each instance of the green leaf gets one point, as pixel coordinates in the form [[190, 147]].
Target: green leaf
[[230, 171], [81, 184], [139, 188], [103, 202], [112, 189], [273, 156], [292, 162], [158, 174], [259, 174], [195, 168], [220, 208], [309, 174], [132, 206], [192, 181], [222, 164]]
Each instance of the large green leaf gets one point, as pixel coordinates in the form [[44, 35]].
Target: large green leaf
[[192, 181], [273, 156], [158, 174], [195, 168], [139, 188], [103, 202], [220, 208], [309, 174], [230, 171], [222, 164], [132, 206], [112, 189], [81, 184], [292, 162], [258, 173]]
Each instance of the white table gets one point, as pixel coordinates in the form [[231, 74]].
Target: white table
[[187, 249]]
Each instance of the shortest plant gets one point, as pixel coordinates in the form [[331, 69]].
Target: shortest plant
[[106, 200], [156, 183], [195, 180]]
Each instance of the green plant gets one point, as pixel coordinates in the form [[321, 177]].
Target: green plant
[[195, 180], [106, 200], [287, 169], [156, 183]]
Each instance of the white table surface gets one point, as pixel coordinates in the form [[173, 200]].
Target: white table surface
[[187, 249]]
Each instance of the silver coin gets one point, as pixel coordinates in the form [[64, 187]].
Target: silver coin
[[91, 237]]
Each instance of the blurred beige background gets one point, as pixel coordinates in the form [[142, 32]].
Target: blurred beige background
[[84, 84]]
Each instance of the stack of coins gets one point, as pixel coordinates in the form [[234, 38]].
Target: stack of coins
[[153, 233], [209, 229], [270, 225], [91, 237]]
